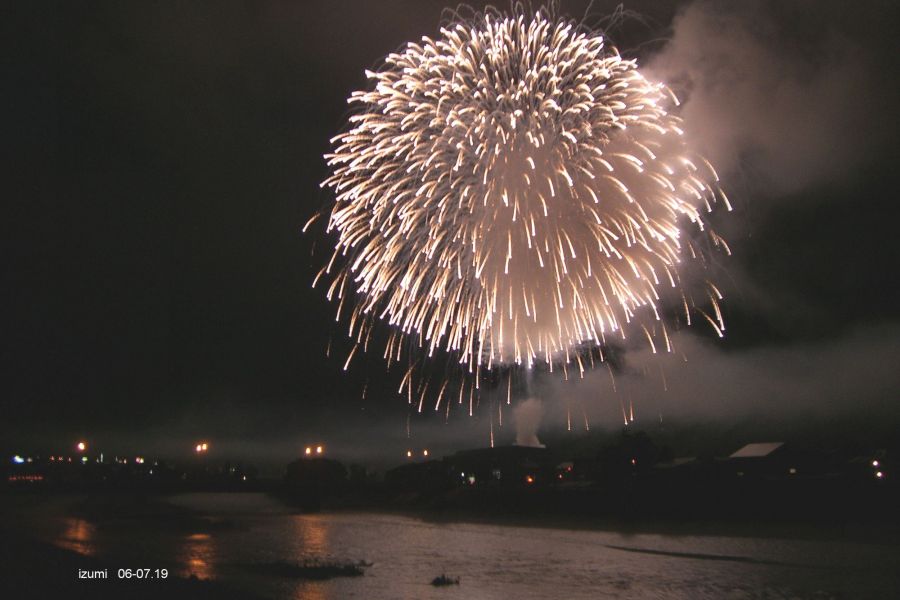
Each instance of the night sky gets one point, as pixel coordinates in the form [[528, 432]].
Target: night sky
[[161, 159]]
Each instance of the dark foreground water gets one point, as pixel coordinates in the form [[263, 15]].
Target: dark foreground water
[[492, 562]]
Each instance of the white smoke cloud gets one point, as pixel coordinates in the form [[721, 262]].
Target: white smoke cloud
[[758, 101], [853, 374], [528, 415]]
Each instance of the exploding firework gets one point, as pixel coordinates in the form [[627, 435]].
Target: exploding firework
[[514, 192]]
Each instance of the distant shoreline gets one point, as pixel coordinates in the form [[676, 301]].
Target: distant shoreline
[[134, 509], [862, 532]]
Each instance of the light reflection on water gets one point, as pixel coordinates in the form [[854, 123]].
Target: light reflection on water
[[197, 556], [311, 533], [312, 590], [493, 562], [77, 535]]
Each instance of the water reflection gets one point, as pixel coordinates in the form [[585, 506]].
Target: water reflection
[[197, 556], [311, 590], [494, 562], [78, 536], [312, 533]]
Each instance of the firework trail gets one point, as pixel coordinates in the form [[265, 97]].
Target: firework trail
[[513, 192]]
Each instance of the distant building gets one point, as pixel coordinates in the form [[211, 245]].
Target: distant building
[[758, 450], [431, 475], [315, 472], [776, 460], [679, 462], [308, 480], [505, 465]]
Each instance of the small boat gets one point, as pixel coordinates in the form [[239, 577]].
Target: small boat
[[443, 580]]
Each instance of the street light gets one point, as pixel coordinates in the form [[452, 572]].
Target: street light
[[81, 446]]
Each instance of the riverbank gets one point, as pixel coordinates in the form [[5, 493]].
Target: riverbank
[[589, 510]]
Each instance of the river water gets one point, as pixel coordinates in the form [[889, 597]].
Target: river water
[[492, 562]]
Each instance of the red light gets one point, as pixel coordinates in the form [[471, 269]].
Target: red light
[[25, 478]]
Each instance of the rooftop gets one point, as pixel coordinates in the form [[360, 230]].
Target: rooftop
[[757, 450]]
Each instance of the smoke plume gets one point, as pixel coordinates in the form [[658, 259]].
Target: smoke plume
[[785, 95], [528, 417]]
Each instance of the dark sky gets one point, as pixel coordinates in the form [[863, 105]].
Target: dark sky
[[161, 158]]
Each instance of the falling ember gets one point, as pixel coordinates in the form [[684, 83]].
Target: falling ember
[[662, 374], [492, 428], [514, 192]]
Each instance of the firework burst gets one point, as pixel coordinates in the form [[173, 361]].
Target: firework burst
[[513, 192]]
